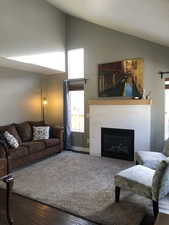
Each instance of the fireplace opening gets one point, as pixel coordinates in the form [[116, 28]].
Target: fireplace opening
[[117, 143]]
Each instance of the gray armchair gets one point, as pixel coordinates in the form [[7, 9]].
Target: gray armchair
[[152, 184], [152, 159]]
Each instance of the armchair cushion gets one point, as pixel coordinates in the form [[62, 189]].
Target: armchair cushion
[[160, 186], [137, 179], [149, 159]]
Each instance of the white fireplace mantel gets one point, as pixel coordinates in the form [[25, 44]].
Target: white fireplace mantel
[[121, 114]]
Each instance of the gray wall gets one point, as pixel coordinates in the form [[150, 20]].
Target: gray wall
[[53, 91], [103, 45], [27, 27], [30, 27], [20, 96]]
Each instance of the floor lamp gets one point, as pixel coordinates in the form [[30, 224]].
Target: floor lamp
[[44, 103]]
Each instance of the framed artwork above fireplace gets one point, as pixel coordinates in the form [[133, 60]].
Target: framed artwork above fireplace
[[121, 79]]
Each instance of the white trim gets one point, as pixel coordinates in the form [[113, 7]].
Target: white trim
[[80, 149]]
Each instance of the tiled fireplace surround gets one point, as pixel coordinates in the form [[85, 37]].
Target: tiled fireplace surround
[[121, 114]]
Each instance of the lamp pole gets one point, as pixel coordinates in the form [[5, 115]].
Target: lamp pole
[[44, 103]]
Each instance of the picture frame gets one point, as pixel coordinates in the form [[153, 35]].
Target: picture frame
[[121, 79]]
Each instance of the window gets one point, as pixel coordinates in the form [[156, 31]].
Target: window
[[77, 111], [76, 71], [76, 63]]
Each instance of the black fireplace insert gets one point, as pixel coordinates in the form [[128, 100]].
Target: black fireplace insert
[[117, 143]]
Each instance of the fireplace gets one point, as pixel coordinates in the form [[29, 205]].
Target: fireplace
[[117, 143]]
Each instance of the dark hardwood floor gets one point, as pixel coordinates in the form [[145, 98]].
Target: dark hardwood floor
[[28, 212]]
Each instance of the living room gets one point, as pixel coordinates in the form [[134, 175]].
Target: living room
[[49, 49]]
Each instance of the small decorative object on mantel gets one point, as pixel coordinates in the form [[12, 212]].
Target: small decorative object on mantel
[[148, 96], [136, 98], [121, 79], [163, 73]]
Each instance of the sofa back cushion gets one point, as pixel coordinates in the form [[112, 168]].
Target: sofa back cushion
[[12, 130], [166, 148], [25, 131], [36, 123]]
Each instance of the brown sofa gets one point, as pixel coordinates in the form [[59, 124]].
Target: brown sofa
[[29, 151]]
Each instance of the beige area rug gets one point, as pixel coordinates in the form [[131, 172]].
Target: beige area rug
[[82, 185]]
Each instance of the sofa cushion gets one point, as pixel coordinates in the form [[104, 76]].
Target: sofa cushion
[[149, 159], [25, 131], [51, 142], [20, 152], [34, 146]]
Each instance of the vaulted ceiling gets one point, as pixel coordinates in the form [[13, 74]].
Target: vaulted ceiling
[[147, 19]]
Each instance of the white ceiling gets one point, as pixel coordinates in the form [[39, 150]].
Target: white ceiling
[[147, 19]]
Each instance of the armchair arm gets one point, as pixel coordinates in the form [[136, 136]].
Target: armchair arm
[[58, 132]]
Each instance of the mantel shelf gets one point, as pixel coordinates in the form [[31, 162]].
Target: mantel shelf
[[119, 102]]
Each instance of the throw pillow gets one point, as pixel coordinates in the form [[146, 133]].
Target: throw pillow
[[40, 133], [12, 141], [12, 130], [41, 124]]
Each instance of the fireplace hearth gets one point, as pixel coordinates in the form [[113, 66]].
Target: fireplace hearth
[[117, 143]]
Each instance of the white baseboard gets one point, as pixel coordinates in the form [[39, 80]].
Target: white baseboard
[[80, 149]]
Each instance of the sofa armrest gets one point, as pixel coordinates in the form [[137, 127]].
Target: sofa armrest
[[3, 167], [5, 159], [2, 151], [58, 132]]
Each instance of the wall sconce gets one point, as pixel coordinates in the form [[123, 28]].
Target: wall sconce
[[44, 103]]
